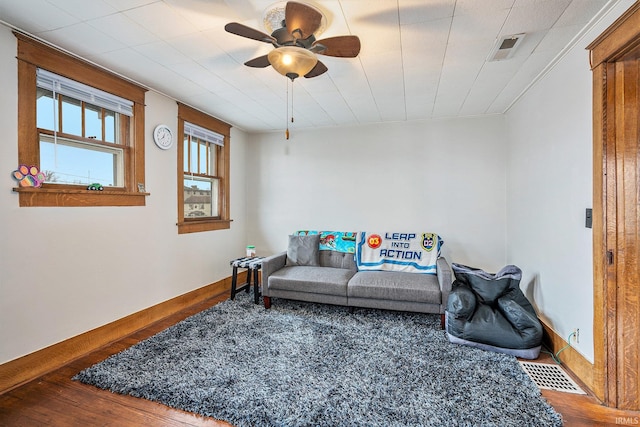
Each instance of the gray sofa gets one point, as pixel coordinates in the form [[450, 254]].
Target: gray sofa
[[336, 280]]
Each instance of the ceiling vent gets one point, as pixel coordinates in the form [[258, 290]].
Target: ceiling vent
[[505, 48]]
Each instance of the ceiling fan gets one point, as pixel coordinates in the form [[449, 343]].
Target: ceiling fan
[[295, 43]]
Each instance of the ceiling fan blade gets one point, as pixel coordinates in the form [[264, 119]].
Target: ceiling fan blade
[[259, 62], [248, 32], [340, 46], [320, 68], [301, 20]]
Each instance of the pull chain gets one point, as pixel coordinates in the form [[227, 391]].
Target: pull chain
[[286, 133]]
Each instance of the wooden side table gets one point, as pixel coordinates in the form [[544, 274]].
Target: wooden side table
[[253, 266]]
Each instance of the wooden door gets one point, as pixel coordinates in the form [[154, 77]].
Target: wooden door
[[622, 256], [616, 72]]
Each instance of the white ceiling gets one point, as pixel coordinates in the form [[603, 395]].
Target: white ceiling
[[420, 59]]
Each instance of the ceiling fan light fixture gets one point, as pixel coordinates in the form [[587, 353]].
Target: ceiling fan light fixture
[[292, 61]]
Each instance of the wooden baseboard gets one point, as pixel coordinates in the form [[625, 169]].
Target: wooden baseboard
[[575, 362], [31, 366]]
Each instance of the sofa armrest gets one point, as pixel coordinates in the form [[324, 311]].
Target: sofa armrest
[[270, 265], [445, 278]]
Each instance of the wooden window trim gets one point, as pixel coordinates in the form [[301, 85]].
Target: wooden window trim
[[223, 222], [32, 55]]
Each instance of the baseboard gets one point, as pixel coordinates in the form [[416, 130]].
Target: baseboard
[[570, 357], [31, 366]]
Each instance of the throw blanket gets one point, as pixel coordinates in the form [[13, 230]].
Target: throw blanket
[[339, 241], [407, 252]]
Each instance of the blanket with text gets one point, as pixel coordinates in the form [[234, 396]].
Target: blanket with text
[[407, 252]]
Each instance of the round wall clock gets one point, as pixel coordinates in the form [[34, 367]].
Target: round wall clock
[[163, 137]]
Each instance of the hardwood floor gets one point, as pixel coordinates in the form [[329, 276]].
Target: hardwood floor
[[585, 410], [55, 400]]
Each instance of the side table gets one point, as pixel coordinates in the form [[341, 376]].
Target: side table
[[253, 266]]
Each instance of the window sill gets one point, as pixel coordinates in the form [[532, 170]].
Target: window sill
[[203, 225], [31, 196]]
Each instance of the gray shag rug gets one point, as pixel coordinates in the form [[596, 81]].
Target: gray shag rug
[[302, 364]]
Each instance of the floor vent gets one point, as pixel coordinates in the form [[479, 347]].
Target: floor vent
[[550, 377]]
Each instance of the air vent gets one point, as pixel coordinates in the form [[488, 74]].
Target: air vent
[[550, 377], [505, 48]]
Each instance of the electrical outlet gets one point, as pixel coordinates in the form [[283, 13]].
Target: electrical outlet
[[576, 335]]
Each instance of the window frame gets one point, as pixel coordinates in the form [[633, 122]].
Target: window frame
[[32, 55], [223, 221], [92, 147]]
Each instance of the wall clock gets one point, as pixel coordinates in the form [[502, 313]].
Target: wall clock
[[163, 137]]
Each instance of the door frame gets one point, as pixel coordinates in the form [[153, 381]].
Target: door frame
[[618, 41]]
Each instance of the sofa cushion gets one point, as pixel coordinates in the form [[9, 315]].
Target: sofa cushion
[[303, 250], [320, 280], [397, 286], [337, 260]]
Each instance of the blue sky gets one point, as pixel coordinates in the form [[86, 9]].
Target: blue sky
[[71, 163], [74, 164]]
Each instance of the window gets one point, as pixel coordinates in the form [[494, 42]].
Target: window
[[80, 125], [203, 172], [201, 181], [81, 141]]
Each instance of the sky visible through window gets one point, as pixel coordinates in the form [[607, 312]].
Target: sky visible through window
[[69, 161], [191, 182], [201, 162], [76, 165]]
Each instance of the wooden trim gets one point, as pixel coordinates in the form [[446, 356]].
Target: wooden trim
[[137, 165], [57, 61], [27, 368], [571, 358], [31, 196], [599, 232], [33, 54], [199, 118], [180, 171], [609, 302], [223, 172], [28, 152], [224, 164], [621, 37], [626, 287], [203, 225], [615, 120]]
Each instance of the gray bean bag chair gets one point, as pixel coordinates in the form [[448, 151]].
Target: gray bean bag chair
[[490, 311]]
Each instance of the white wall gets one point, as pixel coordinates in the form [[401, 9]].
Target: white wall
[[445, 176], [64, 271], [550, 186]]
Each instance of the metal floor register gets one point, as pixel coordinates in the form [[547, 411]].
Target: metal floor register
[[550, 377]]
